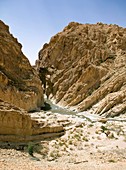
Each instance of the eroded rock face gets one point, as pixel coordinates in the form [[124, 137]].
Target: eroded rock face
[[19, 83], [14, 120], [86, 68], [20, 91], [16, 125]]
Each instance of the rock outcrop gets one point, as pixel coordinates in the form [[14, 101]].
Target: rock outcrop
[[86, 68], [17, 125], [19, 83]]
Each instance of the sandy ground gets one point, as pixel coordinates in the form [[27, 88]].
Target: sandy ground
[[85, 146]]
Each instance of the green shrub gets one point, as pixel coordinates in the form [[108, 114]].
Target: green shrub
[[34, 147], [31, 148], [103, 129]]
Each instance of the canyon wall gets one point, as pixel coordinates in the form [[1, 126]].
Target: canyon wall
[[19, 83], [20, 90], [84, 68]]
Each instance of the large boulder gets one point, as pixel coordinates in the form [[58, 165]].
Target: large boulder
[[19, 83], [85, 68]]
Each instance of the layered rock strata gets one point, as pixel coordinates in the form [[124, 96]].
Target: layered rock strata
[[16, 125], [86, 68]]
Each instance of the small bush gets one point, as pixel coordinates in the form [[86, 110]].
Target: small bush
[[103, 128], [77, 136], [31, 148], [70, 142], [85, 139]]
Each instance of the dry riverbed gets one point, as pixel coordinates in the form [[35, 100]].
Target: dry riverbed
[[86, 145]]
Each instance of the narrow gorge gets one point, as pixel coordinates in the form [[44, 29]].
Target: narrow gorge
[[81, 70]]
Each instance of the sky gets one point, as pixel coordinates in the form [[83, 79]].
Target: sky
[[34, 22]]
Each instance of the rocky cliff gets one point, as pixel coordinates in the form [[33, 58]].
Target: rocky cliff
[[85, 68], [20, 92], [19, 83]]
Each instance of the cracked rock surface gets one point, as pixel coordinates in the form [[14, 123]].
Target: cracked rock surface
[[85, 68]]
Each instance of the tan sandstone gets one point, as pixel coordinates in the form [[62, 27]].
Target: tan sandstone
[[86, 68], [21, 93], [16, 125], [19, 83]]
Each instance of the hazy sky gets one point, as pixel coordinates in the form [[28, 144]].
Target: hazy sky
[[34, 22]]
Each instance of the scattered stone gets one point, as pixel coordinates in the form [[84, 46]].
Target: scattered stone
[[103, 120]]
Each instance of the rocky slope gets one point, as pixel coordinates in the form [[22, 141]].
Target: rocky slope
[[84, 67], [19, 83]]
